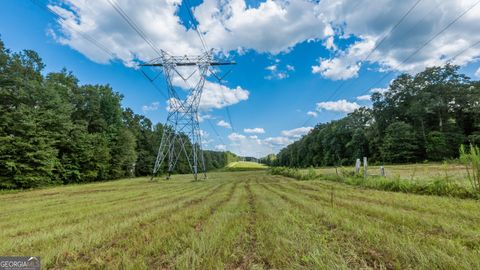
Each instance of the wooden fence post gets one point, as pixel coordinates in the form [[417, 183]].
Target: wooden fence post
[[382, 171], [365, 167], [357, 166]]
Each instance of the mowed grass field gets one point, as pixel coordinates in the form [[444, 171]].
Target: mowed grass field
[[238, 220]]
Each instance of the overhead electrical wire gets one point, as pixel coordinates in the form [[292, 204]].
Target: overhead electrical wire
[[423, 46], [393, 28], [196, 27], [385, 36], [92, 40], [142, 34], [463, 51], [215, 131], [419, 49], [134, 26], [89, 38], [410, 29]]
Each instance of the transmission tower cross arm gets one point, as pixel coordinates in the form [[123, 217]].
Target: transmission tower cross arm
[[222, 63], [189, 64]]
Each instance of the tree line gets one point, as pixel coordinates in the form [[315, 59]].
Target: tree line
[[55, 131], [422, 117]]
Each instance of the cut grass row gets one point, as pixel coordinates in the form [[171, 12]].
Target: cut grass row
[[365, 234], [241, 220]]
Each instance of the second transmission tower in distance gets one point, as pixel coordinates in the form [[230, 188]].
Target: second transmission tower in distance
[[181, 133]]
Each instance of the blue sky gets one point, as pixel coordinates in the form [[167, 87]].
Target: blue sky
[[291, 55]]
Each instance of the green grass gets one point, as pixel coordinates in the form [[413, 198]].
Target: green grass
[[238, 220], [425, 179], [455, 172], [441, 186], [245, 166]]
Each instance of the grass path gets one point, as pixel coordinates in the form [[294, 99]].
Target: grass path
[[238, 220]]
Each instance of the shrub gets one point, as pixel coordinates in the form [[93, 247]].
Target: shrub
[[294, 173], [471, 159]]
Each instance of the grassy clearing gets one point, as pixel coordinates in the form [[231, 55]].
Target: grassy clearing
[[238, 220], [245, 166], [454, 172], [441, 180]]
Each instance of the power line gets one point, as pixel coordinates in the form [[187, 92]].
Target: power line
[[423, 46], [134, 26], [419, 49], [152, 82], [463, 51], [334, 93], [73, 28], [92, 40], [195, 25], [380, 43], [393, 28], [410, 29], [216, 132], [142, 34], [204, 44], [196, 154], [227, 109]]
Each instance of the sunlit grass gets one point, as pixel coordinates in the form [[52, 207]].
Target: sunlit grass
[[245, 166], [455, 172], [238, 220]]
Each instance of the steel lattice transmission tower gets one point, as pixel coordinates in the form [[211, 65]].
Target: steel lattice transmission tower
[[182, 120]]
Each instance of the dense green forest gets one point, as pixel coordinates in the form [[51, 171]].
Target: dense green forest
[[55, 131], [422, 117]]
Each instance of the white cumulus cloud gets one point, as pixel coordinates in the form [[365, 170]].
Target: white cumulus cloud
[[363, 97], [151, 107], [296, 132], [278, 141], [346, 65], [372, 23], [338, 106], [223, 124], [236, 137], [220, 147], [216, 96], [379, 90], [253, 146], [203, 117], [477, 73], [276, 26], [312, 114], [276, 72], [272, 26], [271, 68], [229, 25], [254, 130]]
